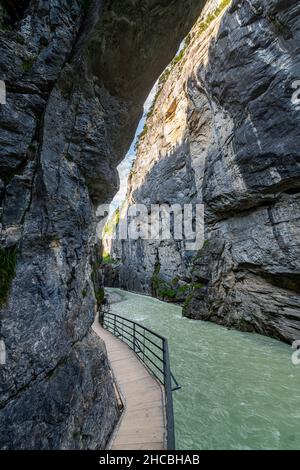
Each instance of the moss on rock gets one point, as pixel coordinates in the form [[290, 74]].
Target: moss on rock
[[8, 263], [99, 294]]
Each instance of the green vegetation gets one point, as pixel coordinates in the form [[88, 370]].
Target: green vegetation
[[243, 324], [171, 291], [164, 290], [189, 289], [8, 263], [96, 279], [84, 293], [112, 223], [190, 296], [94, 273], [160, 287], [197, 285], [161, 82], [99, 294], [7, 28], [27, 65], [155, 276], [20, 39], [182, 52], [84, 4], [144, 131], [32, 147], [132, 171], [204, 24], [107, 259], [141, 136], [187, 301], [183, 289]]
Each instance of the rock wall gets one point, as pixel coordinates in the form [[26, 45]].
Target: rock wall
[[225, 132], [76, 74]]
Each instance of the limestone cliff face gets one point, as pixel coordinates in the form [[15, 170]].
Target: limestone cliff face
[[76, 74], [224, 131]]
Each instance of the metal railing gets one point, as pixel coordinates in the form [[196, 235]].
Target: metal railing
[[153, 351]]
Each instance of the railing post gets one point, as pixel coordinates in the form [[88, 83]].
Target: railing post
[[133, 337], [168, 398], [114, 325]]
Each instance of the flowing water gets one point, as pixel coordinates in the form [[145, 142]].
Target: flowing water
[[239, 390]]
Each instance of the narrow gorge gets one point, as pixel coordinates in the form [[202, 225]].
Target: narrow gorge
[[76, 75], [223, 131]]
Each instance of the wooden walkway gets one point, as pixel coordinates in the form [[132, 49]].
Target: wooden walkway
[[142, 424]]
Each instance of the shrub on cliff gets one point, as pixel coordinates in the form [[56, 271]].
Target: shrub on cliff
[[8, 263]]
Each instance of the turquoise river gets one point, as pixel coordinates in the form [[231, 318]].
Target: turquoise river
[[239, 390]]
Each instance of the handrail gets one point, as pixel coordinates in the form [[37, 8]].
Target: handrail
[[136, 336]]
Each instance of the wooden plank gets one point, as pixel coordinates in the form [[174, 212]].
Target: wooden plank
[[137, 437], [142, 424], [142, 446]]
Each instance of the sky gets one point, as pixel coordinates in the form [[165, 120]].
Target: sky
[[126, 164]]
